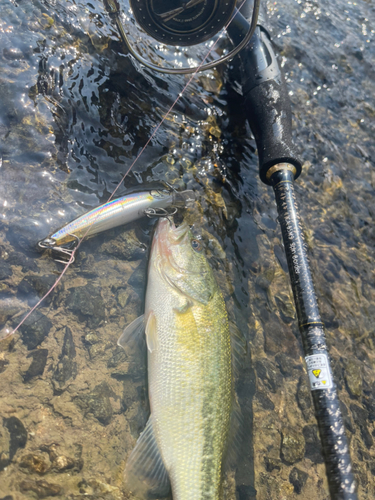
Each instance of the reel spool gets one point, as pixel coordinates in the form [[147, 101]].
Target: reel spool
[[183, 23]]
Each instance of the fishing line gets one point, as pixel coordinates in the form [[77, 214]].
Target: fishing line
[[72, 257]]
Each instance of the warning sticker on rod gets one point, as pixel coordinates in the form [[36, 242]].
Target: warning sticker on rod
[[319, 373]]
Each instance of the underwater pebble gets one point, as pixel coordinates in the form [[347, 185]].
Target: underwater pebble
[[97, 403], [34, 463], [272, 464], [292, 445], [353, 378], [66, 368], [304, 398], [35, 329], [298, 479], [37, 365], [13, 437], [42, 489]]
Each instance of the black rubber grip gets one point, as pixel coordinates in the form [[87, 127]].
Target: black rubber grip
[[268, 106]]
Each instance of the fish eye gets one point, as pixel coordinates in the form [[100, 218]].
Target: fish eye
[[196, 245]]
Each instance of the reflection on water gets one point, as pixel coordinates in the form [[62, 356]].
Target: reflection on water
[[74, 113]]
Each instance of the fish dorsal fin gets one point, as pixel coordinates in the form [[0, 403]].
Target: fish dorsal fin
[[132, 332], [151, 332], [145, 475]]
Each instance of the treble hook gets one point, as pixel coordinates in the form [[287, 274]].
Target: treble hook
[[159, 212], [67, 251]]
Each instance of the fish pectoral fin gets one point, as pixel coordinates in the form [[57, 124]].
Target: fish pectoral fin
[[151, 332], [132, 332], [145, 475]]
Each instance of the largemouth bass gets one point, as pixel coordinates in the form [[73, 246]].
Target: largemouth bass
[[189, 372]]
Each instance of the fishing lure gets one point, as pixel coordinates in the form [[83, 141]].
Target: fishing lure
[[151, 203]]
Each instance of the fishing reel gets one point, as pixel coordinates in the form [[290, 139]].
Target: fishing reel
[[182, 23]]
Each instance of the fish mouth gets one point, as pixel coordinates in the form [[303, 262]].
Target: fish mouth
[[166, 235]]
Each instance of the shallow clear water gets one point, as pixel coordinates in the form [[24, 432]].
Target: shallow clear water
[[74, 113]]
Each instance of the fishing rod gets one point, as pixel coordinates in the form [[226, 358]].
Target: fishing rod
[[186, 23]]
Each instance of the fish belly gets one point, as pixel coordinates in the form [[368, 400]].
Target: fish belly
[[190, 386]]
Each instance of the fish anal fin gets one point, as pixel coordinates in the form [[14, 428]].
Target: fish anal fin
[[145, 475], [151, 332]]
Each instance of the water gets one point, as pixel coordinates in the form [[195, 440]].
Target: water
[[74, 112]]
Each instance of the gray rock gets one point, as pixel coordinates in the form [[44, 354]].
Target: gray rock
[[37, 365], [97, 403], [35, 329], [298, 479], [353, 378], [292, 445], [87, 303], [66, 368], [18, 435]]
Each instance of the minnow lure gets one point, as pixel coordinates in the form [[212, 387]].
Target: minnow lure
[[114, 213]]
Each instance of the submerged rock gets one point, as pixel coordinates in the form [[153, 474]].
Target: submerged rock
[[18, 435], [298, 479], [304, 398], [66, 368], [35, 329], [292, 445], [313, 447], [33, 287], [34, 463], [353, 378], [41, 488], [87, 303], [37, 365], [97, 403]]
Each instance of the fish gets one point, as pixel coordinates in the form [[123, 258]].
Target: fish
[[190, 372], [115, 213]]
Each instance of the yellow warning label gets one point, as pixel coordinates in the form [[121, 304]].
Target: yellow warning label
[[324, 382], [317, 373]]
